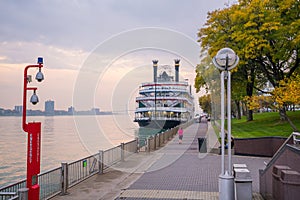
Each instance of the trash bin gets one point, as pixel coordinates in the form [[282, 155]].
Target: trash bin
[[235, 166], [276, 173], [242, 184], [238, 166], [202, 145]]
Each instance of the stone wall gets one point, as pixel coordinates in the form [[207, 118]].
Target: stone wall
[[263, 146]]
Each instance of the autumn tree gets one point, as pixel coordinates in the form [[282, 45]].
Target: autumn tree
[[205, 103], [287, 93], [263, 33]]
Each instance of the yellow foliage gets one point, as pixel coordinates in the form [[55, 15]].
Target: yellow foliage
[[256, 102], [252, 102], [288, 91]]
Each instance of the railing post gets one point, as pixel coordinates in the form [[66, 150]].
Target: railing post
[[64, 178], [148, 144], [23, 194], [101, 162], [158, 145], [155, 136], [137, 145], [122, 152]]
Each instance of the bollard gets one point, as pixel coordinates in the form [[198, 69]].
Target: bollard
[[23, 194], [101, 162], [64, 178]]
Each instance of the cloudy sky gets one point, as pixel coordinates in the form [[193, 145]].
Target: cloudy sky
[[120, 38]]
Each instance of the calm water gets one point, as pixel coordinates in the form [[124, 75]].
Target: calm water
[[64, 139]]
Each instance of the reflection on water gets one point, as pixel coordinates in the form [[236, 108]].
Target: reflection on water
[[62, 141], [143, 133]]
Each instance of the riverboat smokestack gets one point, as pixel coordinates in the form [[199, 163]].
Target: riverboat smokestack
[[177, 70], [155, 70]]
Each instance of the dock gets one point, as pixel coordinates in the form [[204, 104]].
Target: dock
[[175, 171]]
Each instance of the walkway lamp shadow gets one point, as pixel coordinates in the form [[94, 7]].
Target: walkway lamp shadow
[[226, 60]]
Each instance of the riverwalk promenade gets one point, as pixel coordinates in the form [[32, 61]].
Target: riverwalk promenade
[[175, 171]]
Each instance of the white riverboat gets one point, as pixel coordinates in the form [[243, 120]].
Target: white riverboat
[[165, 102]]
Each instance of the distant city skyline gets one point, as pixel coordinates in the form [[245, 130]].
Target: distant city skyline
[[49, 110]]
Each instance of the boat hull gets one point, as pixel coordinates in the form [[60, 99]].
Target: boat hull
[[158, 124]]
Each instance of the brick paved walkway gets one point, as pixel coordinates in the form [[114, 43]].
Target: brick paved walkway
[[191, 175], [175, 171]]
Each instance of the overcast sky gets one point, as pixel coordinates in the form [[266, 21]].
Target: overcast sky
[[67, 33]]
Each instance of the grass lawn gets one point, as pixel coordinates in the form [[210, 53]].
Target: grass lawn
[[265, 124]]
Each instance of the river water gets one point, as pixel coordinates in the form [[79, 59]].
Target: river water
[[64, 139]]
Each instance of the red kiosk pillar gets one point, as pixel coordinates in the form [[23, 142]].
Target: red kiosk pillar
[[33, 159], [34, 136]]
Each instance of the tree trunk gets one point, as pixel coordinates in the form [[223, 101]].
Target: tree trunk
[[249, 92], [250, 115], [238, 108], [282, 114], [284, 117]]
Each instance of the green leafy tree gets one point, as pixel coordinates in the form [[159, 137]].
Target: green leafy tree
[[205, 103], [265, 35]]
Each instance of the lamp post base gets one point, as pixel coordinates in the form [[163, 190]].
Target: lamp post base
[[226, 187]]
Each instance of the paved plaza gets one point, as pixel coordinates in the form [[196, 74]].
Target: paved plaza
[[175, 171]]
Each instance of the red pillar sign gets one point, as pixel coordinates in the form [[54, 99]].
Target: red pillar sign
[[33, 159], [34, 135]]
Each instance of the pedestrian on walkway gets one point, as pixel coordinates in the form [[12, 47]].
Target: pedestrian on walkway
[[180, 134]]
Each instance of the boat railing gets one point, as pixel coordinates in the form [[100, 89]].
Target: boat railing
[[58, 180]]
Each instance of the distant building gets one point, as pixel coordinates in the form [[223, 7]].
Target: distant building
[[49, 108], [71, 110], [95, 111], [19, 109]]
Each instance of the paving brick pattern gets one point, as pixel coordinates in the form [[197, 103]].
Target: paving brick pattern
[[192, 172]]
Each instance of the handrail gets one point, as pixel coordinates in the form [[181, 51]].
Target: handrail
[[295, 139], [277, 154], [50, 181]]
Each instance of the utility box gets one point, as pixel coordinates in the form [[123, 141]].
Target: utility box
[[242, 184]]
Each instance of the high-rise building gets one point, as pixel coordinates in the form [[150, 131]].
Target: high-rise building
[[49, 108], [19, 109], [71, 110]]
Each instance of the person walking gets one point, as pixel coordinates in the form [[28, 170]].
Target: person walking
[[180, 134]]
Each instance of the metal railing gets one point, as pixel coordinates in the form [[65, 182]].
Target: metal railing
[[82, 169], [50, 183], [296, 137], [58, 180], [158, 140], [11, 190], [112, 156]]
